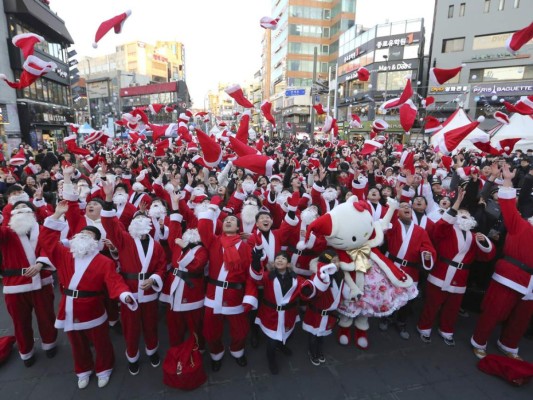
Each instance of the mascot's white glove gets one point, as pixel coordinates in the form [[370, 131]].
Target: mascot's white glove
[[393, 203], [326, 271], [385, 221]]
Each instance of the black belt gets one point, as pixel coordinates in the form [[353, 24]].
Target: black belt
[[226, 284], [454, 263], [13, 272], [186, 276], [322, 312], [403, 263], [279, 308], [80, 293], [141, 276], [305, 252], [519, 264]]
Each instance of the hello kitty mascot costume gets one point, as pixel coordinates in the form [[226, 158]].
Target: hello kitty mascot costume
[[374, 286]]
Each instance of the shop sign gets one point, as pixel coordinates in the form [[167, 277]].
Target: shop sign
[[448, 89], [47, 117], [396, 67], [507, 88], [398, 41]]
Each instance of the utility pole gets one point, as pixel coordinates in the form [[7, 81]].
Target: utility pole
[[312, 117]]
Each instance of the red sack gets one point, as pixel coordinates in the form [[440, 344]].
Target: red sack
[[6, 344], [183, 367], [516, 372]]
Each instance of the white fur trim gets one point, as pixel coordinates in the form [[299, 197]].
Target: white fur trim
[[176, 217], [506, 193], [55, 224], [132, 307], [158, 282], [484, 249], [268, 167], [448, 218], [252, 300], [319, 284], [108, 213]]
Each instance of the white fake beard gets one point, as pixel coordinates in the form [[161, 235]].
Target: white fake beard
[[329, 195], [139, 227], [84, 192], [197, 191], [248, 213], [308, 216], [120, 199], [278, 188], [20, 197], [466, 224], [169, 187], [191, 236], [248, 187], [82, 245], [212, 190], [282, 198], [22, 223], [137, 187], [199, 208], [157, 211]]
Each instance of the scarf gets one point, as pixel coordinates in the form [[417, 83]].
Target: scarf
[[231, 254]]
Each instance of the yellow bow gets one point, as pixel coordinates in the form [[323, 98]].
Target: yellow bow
[[361, 258]]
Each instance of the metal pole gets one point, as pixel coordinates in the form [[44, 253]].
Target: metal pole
[[312, 117]]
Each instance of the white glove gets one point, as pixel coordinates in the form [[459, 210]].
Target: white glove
[[392, 203]]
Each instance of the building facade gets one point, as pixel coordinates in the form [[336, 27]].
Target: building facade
[[390, 52], [40, 111], [288, 57], [473, 33]]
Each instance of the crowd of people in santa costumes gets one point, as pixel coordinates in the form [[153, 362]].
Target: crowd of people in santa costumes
[[222, 230]]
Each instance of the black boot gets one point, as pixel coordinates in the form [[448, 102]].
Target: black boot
[[29, 362], [254, 336], [51, 353], [272, 364]]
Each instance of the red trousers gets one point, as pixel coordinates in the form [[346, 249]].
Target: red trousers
[[20, 307], [503, 304], [81, 350], [181, 322], [214, 326], [133, 322], [448, 304]]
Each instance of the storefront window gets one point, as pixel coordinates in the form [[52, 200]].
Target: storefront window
[[501, 74], [39, 90], [394, 80]]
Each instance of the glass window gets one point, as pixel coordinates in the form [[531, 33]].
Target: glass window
[[325, 32], [506, 73], [45, 89], [378, 55], [413, 26], [397, 28], [492, 41], [450, 11], [486, 7], [393, 80], [39, 90], [383, 30], [411, 51], [501, 5], [462, 7], [453, 45]]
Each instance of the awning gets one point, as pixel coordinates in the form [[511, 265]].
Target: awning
[[37, 14]]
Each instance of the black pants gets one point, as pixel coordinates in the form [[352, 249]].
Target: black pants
[[315, 345], [271, 347], [403, 313]]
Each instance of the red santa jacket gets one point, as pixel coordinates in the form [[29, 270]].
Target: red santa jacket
[[220, 296], [278, 313], [184, 287], [136, 199], [316, 196], [405, 247], [18, 252], [94, 273], [125, 213], [42, 211], [452, 244], [515, 248], [300, 259], [134, 261]]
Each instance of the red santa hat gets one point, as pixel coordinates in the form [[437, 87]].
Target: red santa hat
[[260, 144], [380, 125], [169, 108], [408, 112], [451, 139], [91, 162], [407, 161], [93, 137], [447, 162], [313, 163], [32, 70], [183, 132], [355, 122], [381, 139], [70, 142], [328, 124], [240, 148], [192, 147], [244, 127], [266, 109], [501, 117], [155, 108], [440, 76], [506, 146], [183, 118], [236, 93], [466, 172], [140, 115], [319, 109], [199, 160], [159, 131], [519, 38], [428, 101], [31, 168], [432, 124], [524, 106], [19, 158], [26, 42], [6, 345], [363, 74], [333, 165], [269, 23], [406, 95], [261, 165], [212, 153], [370, 146], [144, 180], [322, 226], [114, 23], [221, 123], [162, 146]]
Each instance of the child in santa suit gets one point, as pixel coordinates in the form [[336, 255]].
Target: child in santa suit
[[278, 310], [320, 315]]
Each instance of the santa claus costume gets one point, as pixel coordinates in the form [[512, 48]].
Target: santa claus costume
[[509, 299], [84, 274], [27, 283], [142, 265]]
